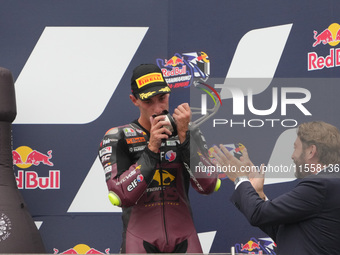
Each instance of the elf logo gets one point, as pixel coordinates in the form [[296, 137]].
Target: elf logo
[[135, 182]]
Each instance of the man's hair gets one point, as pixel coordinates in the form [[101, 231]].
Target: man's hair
[[325, 137]]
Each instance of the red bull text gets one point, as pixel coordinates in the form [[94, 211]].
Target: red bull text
[[25, 157], [330, 36], [31, 180]]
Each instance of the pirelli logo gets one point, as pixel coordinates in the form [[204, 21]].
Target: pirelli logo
[[149, 78], [135, 140]]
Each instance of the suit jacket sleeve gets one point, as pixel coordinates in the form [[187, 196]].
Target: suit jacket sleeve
[[194, 153], [301, 203]]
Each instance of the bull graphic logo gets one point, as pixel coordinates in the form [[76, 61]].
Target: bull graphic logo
[[330, 35], [25, 157], [81, 249], [167, 178]]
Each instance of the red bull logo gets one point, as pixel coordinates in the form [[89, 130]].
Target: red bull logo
[[250, 246], [31, 180], [24, 157], [175, 71], [174, 61], [330, 36], [257, 246], [81, 249], [180, 69]]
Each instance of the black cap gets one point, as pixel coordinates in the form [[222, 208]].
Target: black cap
[[147, 81]]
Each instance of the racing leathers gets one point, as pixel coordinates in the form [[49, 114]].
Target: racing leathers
[[152, 188]]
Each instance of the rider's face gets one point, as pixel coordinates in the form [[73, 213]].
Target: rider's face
[[153, 106]]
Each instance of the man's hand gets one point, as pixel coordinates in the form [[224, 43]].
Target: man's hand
[[182, 116], [233, 167], [257, 181], [158, 132], [242, 167]]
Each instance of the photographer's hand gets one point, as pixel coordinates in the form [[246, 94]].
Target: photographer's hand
[[182, 116], [158, 132]]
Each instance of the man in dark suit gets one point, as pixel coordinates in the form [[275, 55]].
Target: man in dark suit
[[305, 220]]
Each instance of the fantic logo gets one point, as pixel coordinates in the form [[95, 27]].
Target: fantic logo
[[330, 36], [24, 157]]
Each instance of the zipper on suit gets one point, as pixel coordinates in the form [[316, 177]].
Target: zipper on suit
[[163, 200]]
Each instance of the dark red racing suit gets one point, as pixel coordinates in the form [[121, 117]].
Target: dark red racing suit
[[153, 188]]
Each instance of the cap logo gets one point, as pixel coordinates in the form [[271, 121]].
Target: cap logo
[[149, 78], [165, 89], [146, 95]]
